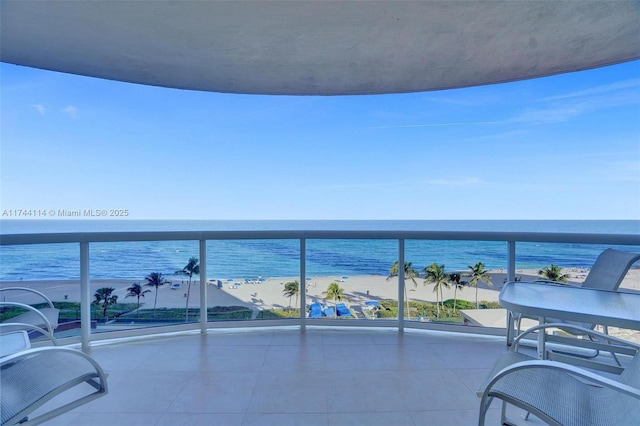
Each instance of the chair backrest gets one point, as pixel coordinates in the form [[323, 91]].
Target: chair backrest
[[609, 269], [631, 374]]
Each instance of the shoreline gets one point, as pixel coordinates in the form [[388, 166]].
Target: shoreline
[[269, 293]]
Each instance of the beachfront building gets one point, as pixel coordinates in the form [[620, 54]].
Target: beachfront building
[[202, 370]]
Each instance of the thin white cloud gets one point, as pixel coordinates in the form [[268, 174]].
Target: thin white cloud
[[71, 111], [462, 123], [468, 181], [621, 85], [465, 181], [561, 108], [549, 115], [360, 186], [40, 108]]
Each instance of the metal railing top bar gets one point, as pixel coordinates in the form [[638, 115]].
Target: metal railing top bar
[[538, 237]]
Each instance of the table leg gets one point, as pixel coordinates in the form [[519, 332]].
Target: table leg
[[542, 353], [510, 328]]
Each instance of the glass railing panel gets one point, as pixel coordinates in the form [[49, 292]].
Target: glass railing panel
[[137, 284], [248, 279], [440, 281], [51, 269], [570, 262], [348, 279]]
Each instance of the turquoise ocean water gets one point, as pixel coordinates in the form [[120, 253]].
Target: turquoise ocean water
[[278, 258]]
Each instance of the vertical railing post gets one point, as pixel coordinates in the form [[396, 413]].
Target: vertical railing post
[[203, 286], [401, 285], [511, 276], [511, 260], [85, 297], [303, 284]]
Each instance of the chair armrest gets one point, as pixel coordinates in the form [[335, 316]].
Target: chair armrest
[[577, 330], [35, 311], [34, 377], [29, 290], [593, 378], [16, 326]]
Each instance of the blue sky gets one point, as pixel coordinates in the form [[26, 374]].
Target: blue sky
[[561, 147]]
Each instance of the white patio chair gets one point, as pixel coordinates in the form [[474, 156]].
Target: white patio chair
[[607, 273], [33, 377], [43, 320], [568, 394]]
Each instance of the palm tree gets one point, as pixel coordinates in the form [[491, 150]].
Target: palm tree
[[554, 273], [435, 275], [292, 288], [335, 292], [410, 273], [136, 291], [189, 270], [155, 279], [104, 298], [478, 273], [455, 279]]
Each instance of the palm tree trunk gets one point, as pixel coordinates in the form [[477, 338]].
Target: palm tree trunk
[[186, 313], [477, 306], [155, 302], [138, 311], [406, 298], [455, 297]]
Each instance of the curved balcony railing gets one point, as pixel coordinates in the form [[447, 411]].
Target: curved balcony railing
[[86, 240]]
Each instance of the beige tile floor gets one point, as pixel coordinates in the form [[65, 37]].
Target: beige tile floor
[[288, 377]]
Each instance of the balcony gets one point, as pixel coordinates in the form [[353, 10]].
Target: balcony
[[400, 370], [283, 376]]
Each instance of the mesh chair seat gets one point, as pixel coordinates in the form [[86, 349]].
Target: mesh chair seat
[[567, 400], [560, 393], [33, 377]]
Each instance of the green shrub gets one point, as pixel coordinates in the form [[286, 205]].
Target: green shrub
[[215, 313], [485, 304], [279, 314], [460, 304], [218, 313]]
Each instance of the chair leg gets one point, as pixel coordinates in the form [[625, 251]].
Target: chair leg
[[504, 420], [513, 326], [484, 406]]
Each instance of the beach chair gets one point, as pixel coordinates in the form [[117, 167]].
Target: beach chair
[[607, 273], [560, 393], [43, 320], [33, 377], [342, 310], [315, 310], [330, 311]]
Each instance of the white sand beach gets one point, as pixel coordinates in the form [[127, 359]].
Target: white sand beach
[[268, 294]]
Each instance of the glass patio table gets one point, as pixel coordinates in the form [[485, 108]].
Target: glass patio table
[[569, 303], [12, 342]]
